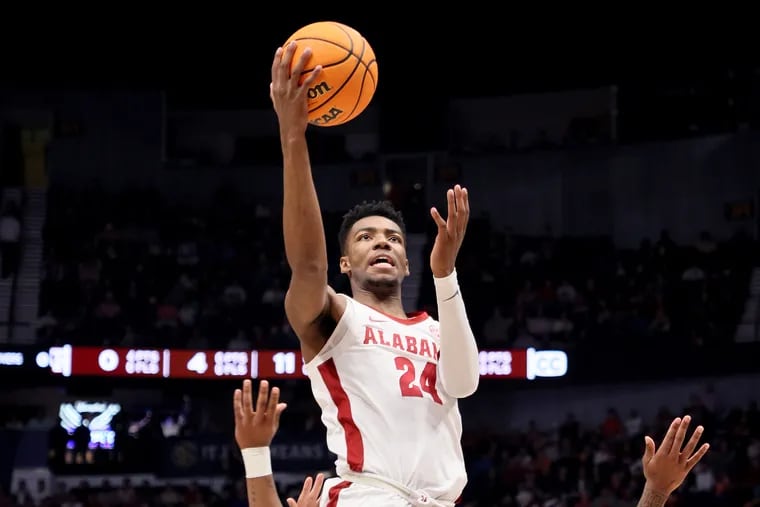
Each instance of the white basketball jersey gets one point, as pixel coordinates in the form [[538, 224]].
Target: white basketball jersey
[[386, 412]]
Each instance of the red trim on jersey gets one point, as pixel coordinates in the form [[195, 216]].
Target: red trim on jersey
[[354, 442], [413, 317], [334, 493]]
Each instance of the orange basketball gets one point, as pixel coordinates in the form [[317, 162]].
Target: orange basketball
[[349, 71]]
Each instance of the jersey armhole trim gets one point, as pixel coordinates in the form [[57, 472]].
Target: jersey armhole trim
[[337, 336]]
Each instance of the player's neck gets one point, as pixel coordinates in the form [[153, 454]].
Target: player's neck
[[389, 304]]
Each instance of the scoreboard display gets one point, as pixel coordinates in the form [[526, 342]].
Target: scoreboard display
[[73, 361]]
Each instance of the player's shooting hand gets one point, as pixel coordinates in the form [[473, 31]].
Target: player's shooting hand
[[288, 95], [667, 467], [450, 232], [309, 496], [256, 428]]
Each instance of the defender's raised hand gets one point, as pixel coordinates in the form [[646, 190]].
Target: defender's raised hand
[[309, 496], [256, 428], [666, 468], [450, 232], [287, 94]]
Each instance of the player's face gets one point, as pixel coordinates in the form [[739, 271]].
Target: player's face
[[375, 253]]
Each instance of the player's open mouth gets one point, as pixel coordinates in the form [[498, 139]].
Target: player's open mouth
[[381, 260]]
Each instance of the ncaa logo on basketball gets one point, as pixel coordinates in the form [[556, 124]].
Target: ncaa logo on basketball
[[329, 116]]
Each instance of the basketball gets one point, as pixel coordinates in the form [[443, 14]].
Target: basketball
[[348, 80]]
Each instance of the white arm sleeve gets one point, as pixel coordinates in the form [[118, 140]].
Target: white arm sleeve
[[458, 365]]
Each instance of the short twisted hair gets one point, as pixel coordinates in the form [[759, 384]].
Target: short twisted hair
[[368, 209]]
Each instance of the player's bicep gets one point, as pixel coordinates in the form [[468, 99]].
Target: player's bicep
[[308, 306], [306, 300]]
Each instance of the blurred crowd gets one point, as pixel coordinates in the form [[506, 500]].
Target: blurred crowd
[[125, 274], [575, 466], [121, 273], [566, 465]]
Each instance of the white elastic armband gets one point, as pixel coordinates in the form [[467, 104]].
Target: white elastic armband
[[257, 462], [446, 288]]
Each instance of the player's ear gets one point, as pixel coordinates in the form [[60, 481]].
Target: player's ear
[[345, 265], [406, 263]]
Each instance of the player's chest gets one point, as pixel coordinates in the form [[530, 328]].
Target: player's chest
[[402, 360]]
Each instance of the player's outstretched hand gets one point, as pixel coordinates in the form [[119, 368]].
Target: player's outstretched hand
[[666, 468], [450, 231], [256, 428], [286, 90], [309, 496]]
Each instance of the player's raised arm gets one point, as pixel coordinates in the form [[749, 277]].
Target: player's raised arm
[[458, 364], [305, 246]]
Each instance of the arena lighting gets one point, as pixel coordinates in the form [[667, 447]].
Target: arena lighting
[[74, 361]]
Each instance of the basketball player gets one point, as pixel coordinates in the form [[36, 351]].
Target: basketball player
[[665, 467], [387, 382]]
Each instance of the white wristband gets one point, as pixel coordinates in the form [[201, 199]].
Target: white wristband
[[447, 287], [257, 462]]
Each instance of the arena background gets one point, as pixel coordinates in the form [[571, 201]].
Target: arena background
[[611, 271]]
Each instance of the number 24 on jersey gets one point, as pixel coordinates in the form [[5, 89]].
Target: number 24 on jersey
[[411, 387]]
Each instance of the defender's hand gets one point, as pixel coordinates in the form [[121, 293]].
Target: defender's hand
[[667, 467], [309, 496], [256, 428]]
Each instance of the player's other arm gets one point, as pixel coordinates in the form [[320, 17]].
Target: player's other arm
[[308, 297], [458, 363], [667, 468]]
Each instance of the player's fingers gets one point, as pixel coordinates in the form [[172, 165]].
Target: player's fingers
[[261, 401], [292, 503], [697, 457], [451, 219], [692, 443], [283, 70], [317, 486], [648, 450], [278, 412], [311, 78], [680, 436], [439, 221], [237, 405], [306, 488], [247, 406], [667, 442], [451, 200], [274, 399], [464, 211], [300, 64], [276, 64]]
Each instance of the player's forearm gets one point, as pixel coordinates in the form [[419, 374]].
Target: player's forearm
[[305, 246], [458, 364], [652, 498], [262, 492]]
